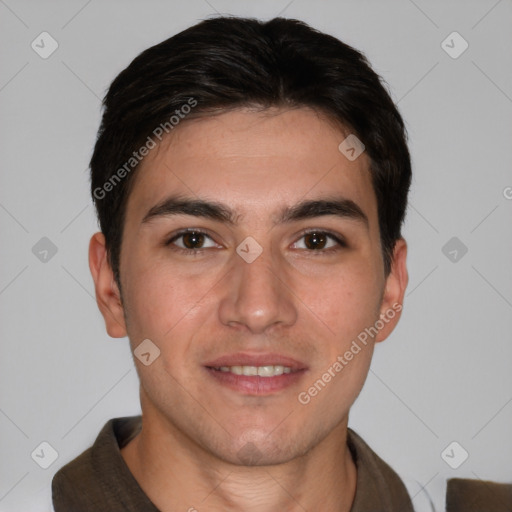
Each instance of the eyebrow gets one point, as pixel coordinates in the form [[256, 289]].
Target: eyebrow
[[307, 209]]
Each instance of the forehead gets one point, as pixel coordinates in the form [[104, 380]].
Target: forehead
[[253, 161]]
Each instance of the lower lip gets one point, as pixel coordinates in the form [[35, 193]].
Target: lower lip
[[255, 385]]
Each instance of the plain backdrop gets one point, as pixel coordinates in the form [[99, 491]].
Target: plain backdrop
[[443, 376]]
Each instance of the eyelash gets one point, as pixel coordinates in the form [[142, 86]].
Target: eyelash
[[194, 252]]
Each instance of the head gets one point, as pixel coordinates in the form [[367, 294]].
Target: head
[[233, 226]]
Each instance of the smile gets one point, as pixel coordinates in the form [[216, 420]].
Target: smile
[[260, 371]]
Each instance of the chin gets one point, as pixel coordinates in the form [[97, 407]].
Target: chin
[[262, 448], [252, 455]]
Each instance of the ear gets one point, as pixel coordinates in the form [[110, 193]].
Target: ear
[[108, 295], [394, 291]]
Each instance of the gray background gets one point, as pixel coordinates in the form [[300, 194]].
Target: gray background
[[444, 375]]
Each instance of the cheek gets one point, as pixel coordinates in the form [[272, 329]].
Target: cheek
[[343, 303], [169, 308], [347, 307], [155, 300]]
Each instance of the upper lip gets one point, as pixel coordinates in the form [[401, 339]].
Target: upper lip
[[261, 359]]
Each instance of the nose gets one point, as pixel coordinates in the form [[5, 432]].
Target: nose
[[256, 296]]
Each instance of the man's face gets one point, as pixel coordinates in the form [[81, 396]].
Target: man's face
[[214, 312]]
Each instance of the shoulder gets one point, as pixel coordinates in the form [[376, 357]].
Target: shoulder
[[377, 483], [99, 475], [467, 495], [75, 480], [369, 463]]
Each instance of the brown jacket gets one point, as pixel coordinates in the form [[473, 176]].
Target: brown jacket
[[478, 496], [99, 480]]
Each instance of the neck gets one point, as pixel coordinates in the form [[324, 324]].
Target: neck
[[177, 474]]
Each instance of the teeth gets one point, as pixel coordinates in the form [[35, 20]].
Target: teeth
[[278, 370], [266, 371], [251, 371]]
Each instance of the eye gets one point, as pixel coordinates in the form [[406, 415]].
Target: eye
[[317, 240], [192, 240]]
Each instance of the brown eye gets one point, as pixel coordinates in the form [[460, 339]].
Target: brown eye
[[319, 241], [315, 240], [193, 240]]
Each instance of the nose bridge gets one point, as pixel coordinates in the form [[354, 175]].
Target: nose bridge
[[256, 296]]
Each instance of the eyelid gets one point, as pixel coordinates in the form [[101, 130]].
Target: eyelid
[[172, 238], [339, 239]]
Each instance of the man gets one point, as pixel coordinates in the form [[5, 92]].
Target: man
[[250, 180]]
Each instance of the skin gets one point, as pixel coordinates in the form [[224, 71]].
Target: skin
[[308, 304]]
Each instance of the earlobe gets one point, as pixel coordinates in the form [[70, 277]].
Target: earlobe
[[108, 295], [396, 284]]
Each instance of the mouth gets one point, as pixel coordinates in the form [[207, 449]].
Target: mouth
[[256, 374]]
